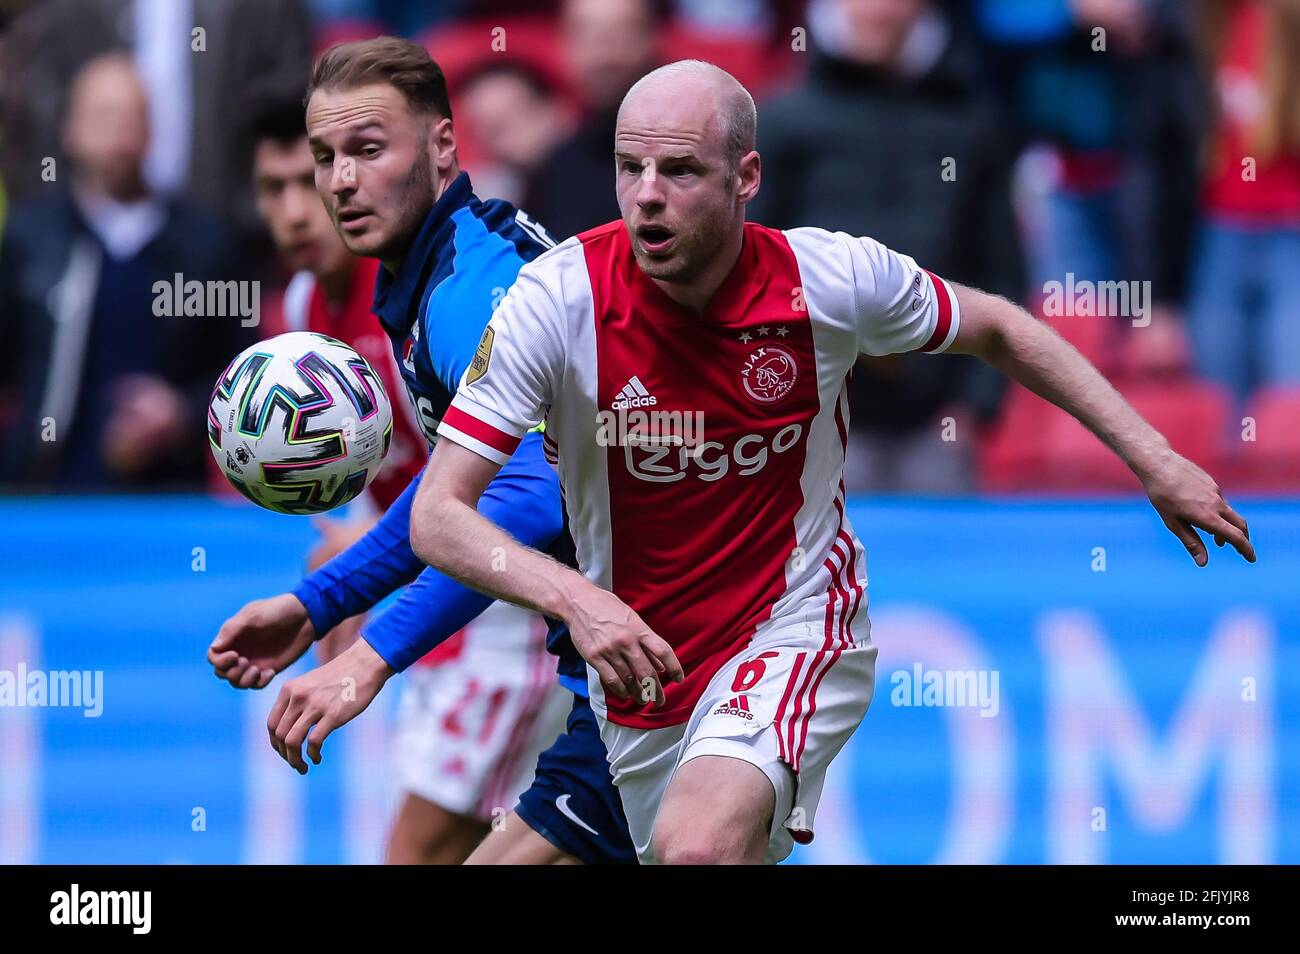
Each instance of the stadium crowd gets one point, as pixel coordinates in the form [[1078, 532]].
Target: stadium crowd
[[1127, 169]]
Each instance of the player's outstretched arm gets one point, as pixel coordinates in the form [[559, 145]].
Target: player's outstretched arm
[[267, 636], [449, 534], [1013, 341]]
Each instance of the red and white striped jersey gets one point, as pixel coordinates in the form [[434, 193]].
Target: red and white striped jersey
[[738, 524]]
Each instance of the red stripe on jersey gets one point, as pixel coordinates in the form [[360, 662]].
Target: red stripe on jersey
[[481, 431], [849, 566], [798, 707], [701, 537], [858, 590], [945, 314], [812, 708], [785, 700]]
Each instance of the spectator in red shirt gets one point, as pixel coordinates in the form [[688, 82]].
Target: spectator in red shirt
[[1244, 314]]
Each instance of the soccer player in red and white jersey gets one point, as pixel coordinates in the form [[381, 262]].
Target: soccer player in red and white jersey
[[722, 600]]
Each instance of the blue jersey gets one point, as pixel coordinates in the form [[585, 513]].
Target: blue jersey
[[434, 309]]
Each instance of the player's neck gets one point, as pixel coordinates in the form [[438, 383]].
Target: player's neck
[[696, 294]]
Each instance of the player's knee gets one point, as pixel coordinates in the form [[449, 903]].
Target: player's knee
[[684, 843]]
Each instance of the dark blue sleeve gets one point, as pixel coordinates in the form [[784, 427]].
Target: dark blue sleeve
[[366, 572], [524, 500]]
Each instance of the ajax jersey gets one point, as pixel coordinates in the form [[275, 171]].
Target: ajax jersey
[[702, 455]]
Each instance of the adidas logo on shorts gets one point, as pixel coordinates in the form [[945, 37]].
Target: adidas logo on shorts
[[739, 706]]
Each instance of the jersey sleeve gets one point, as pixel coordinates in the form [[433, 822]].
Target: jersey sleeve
[[512, 377], [524, 500], [881, 299], [897, 305]]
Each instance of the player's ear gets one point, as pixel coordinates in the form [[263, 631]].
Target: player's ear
[[749, 175], [442, 145]]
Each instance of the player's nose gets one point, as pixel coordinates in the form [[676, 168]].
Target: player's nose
[[343, 175], [649, 191]]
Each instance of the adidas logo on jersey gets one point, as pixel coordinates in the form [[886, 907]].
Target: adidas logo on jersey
[[739, 706], [633, 394]]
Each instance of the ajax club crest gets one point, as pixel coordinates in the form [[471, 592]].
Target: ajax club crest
[[769, 373]]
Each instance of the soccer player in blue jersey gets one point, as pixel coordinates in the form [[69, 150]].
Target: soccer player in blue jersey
[[380, 130]]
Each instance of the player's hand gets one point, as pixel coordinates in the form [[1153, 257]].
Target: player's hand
[[262, 639], [311, 706], [631, 659], [1188, 499]]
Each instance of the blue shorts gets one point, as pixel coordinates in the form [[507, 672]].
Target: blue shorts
[[573, 803]]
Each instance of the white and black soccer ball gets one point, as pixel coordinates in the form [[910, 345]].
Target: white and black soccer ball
[[300, 423]]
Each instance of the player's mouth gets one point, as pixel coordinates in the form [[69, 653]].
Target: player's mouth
[[353, 220], [655, 239]]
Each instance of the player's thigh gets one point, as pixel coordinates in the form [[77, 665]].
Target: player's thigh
[[512, 842], [717, 810], [642, 762], [785, 709], [427, 834]]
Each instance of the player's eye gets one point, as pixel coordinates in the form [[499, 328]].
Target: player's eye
[[371, 151], [632, 168], [323, 159]]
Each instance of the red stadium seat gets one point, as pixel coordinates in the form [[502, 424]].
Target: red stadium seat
[[1191, 414], [759, 66], [1270, 462], [1011, 457], [1093, 336], [461, 47]]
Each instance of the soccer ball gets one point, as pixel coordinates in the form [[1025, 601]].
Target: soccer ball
[[300, 423]]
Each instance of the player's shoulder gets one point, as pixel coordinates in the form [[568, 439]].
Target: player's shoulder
[[810, 241], [827, 261], [562, 270]]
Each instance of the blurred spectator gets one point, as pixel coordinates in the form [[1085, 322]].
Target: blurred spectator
[[400, 17], [890, 102], [1110, 87], [110, 395], [1244, 314], [196, 82], [517, 119], [609, 45]]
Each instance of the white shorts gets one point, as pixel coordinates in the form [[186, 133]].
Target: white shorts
[[786, 706], [470, 728]]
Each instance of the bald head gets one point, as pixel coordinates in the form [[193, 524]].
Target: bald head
[[686, 168], [696, 89]]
